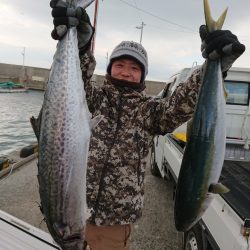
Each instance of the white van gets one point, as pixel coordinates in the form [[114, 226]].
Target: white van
[[226, 223]]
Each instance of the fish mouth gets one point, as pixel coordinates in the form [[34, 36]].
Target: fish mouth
[[65, 233], [73, 238], [75, 241]]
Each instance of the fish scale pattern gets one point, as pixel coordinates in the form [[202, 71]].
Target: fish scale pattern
[[63, 147]]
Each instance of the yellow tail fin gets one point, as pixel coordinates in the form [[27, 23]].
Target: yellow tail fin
[[210, 23]]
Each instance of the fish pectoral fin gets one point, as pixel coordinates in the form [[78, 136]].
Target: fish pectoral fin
[[218, 188], [95, 121], [225, 91]]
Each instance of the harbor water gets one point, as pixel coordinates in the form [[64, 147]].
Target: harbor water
[[16, 110]]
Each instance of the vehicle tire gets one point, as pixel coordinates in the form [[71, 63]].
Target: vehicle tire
[[193, 239], [153, 165]]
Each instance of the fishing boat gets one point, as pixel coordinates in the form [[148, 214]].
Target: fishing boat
[[11, 87]]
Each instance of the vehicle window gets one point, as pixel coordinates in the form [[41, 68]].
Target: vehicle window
[[238, 92]]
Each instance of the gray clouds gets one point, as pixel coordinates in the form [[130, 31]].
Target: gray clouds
[[170, 47]]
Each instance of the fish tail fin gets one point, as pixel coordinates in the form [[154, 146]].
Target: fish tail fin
[[210, 22]]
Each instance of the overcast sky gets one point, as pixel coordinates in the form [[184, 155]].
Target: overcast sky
[[170, 35]]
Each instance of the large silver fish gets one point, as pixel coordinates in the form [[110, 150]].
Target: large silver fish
[[204, 153], [63, 144]]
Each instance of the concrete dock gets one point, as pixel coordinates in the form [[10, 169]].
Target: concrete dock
[[19, 197]]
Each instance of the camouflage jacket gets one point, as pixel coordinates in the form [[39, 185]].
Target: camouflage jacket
[[120, 143]]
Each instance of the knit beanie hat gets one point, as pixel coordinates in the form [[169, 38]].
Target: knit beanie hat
[[130, 49]]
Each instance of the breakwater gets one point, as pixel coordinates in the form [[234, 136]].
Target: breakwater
[[36, 78]]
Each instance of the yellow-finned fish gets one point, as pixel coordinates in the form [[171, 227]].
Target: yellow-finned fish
[[205, 149]]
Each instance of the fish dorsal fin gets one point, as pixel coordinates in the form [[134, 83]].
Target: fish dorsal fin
[[210, 22], [218, 188]]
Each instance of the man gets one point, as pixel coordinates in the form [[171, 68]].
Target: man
[[120, 143]]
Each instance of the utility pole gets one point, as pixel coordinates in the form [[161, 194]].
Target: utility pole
[[107, 59], [23, 54], [23, 74], [141, 28]]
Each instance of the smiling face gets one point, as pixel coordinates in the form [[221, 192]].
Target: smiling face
[[126, 69]]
